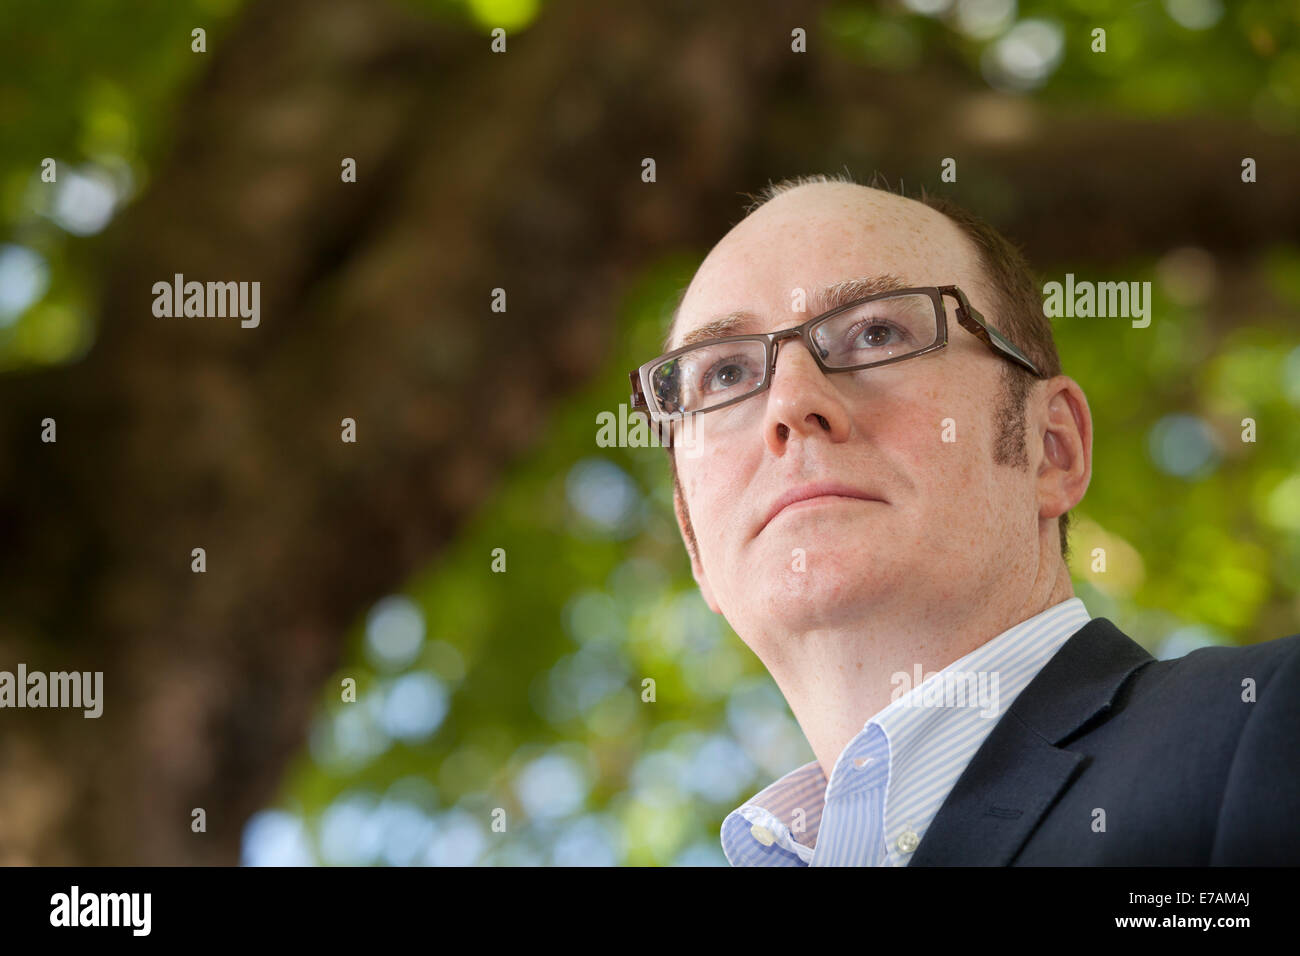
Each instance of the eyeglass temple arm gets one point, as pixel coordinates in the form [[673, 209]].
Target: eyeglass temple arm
[[977, 325]]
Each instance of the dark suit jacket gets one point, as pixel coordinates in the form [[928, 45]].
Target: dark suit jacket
[[1186, 772]]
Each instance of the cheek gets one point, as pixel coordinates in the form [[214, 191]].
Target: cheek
[[942, 452], [716, 510]]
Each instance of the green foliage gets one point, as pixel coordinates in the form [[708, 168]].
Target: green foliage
[[95, 87], [1210, 546], [1153, 65]]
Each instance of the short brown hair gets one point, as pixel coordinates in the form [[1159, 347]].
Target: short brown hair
[[1015, 309]]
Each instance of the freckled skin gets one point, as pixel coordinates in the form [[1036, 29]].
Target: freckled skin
[[961, 548]]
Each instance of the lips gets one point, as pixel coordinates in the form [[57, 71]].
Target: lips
[[817, 490]]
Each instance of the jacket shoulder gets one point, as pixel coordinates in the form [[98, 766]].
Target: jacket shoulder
[[1207, 694], [1208, 666]]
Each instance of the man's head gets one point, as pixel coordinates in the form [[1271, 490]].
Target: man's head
[[954, 514]]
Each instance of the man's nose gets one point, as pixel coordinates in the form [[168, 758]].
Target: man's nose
[[802, 400]]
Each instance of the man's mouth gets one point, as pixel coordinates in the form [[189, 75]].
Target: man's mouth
[[823, 492]]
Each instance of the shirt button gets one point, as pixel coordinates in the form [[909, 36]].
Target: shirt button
[[863, 763], [908, 841], [762, 834]]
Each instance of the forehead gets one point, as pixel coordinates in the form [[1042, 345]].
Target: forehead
[[821, 238]]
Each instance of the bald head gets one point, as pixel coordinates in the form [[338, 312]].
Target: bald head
[[836, 222]]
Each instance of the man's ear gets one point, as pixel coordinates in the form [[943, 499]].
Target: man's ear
[[692, 546], [1066, 429]]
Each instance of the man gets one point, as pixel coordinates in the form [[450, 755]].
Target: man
[[876, 501]]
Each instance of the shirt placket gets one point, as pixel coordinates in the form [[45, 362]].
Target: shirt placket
[[852, 825]]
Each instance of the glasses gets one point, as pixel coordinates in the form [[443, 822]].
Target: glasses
[[875, 330]]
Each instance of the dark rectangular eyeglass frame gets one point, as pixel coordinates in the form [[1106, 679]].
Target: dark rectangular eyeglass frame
[[969, 318]]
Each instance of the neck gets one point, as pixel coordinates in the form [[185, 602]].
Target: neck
[[837, 678]]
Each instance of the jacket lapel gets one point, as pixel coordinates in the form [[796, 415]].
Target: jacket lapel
[[1020, 770]]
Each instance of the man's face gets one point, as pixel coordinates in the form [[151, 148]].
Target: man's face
[[947, 525]]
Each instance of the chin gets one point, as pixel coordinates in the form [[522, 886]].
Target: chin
[[828, 582], [837, 550]]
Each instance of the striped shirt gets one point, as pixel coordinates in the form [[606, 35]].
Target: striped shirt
[[891, 779]]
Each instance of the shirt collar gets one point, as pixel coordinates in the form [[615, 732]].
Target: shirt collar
[[991, 675]]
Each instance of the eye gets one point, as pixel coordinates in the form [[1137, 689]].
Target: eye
[[875, 334], [725, 374]]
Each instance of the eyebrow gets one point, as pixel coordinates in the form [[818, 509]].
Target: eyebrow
[[824, 299]]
